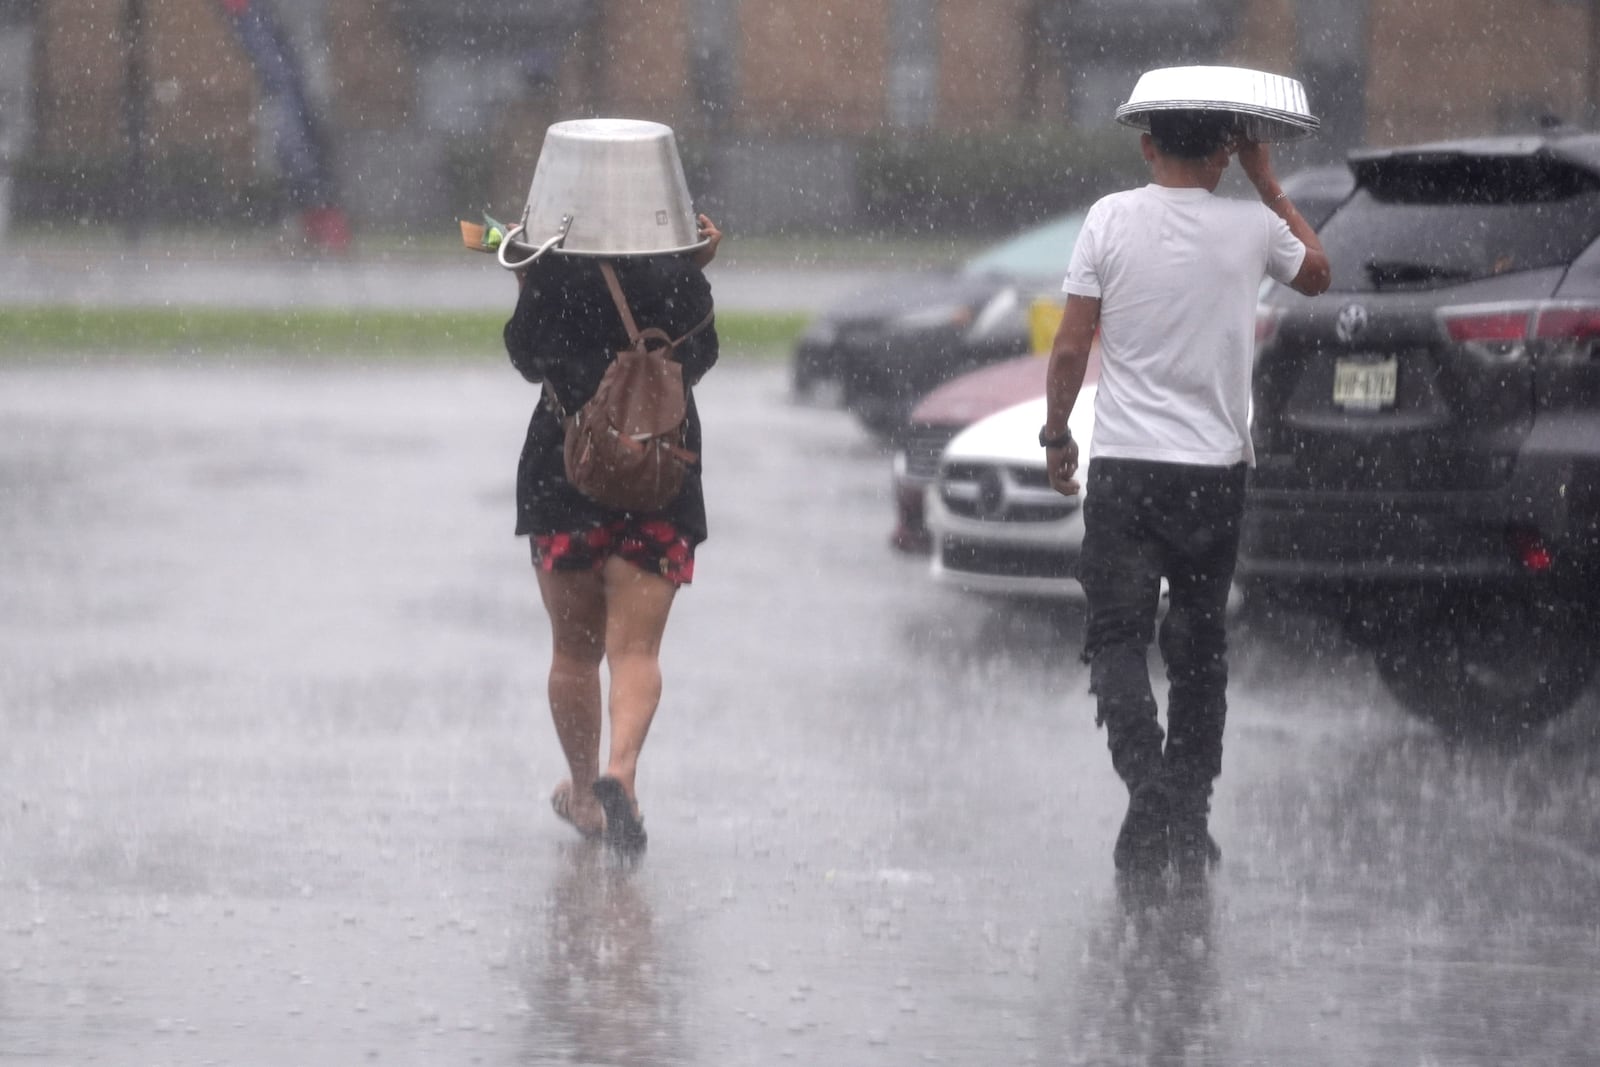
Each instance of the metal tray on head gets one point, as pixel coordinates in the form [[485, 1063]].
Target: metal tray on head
[[1270, 107]]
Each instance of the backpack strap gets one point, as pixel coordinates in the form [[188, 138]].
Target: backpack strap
[[621, 300], [696, 328], [634, 334]]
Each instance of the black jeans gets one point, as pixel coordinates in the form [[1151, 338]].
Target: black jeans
[[1144, 521]]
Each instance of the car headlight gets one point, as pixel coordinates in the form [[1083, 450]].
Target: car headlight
[[944, 316]]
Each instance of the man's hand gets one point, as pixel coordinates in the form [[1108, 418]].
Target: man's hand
[[1061, 464], [1063, 380], [1256, 162]]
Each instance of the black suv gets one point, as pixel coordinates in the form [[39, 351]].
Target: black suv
[[1428, 432]]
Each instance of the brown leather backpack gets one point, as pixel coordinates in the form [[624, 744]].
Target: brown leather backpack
[[624, 448]]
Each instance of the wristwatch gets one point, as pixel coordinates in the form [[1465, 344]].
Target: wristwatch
[[1061, 441]]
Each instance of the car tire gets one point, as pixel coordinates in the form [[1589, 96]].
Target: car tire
[[1490, 667]]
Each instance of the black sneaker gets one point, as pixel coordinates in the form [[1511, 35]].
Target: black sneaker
[[1142, 843]]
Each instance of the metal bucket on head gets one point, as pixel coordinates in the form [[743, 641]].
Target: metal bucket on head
[[605, 187]]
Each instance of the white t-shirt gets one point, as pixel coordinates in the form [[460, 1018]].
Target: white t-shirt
[[1177, 272]]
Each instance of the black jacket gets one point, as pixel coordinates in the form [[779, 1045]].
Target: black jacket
[[563, 333]]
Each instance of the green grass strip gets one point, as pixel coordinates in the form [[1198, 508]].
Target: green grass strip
[[363, 332]]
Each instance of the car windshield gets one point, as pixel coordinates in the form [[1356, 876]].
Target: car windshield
[[1429, 224], [1041, 252]]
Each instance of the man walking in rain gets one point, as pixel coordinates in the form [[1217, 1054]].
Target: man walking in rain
[[1168, 276]]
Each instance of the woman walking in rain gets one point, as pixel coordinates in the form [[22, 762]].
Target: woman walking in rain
[[607, 576]]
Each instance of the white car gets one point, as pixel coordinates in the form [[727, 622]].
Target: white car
[[997, 526]]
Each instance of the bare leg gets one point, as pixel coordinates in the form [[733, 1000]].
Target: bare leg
[[576, 603], [637, 606]]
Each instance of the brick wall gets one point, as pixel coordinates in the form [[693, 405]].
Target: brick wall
[[981, 58], [369, 73], [1265, 37], [644, 65], [811, 67], [201, 91], [1436, 67], [1447, 68], [801, 72], [1459, 67]]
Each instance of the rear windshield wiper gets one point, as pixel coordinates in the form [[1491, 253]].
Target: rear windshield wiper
[[1397, 273]]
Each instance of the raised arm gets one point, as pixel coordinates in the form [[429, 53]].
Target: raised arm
[[1315, 274]]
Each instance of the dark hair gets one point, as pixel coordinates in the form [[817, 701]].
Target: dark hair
[[1191, 134]]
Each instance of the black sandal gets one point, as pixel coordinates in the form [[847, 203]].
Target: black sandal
[[624, 833]]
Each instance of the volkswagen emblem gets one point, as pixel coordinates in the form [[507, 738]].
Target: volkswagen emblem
[[991, 495], [1351, 324]]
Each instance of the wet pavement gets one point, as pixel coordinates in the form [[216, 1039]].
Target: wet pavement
[[273, 788]]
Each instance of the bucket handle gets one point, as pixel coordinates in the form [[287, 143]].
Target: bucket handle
[[505, 243]]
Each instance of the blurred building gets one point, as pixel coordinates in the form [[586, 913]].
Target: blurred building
[[419, 110]]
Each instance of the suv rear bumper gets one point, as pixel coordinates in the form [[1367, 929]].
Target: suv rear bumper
[[1311, 537], [1302, 537]]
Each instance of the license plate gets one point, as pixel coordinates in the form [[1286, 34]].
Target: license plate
[[1362, 386]]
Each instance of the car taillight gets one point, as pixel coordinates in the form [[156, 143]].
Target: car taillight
[[1563, 322], [1530, 550], [1500, 332], [1495, 334], [1474, 327]]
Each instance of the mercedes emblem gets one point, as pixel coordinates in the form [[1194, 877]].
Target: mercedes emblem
[[991, 495]]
